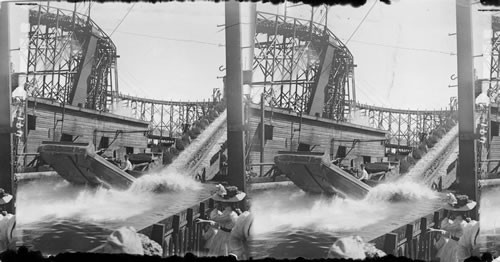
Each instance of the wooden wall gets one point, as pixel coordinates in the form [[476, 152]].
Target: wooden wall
[[86, 126], [314, 131]]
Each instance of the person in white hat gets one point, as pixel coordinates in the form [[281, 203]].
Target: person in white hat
[[240, 235], [452, 227], [210, 230], [228, 197]]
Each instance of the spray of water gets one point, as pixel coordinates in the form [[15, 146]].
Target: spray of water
[[490, 213], [295, 210], [44, 200]]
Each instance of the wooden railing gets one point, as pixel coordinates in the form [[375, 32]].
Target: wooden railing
[[179, 234], [413, 240]]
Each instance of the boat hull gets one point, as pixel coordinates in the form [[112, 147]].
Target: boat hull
[[313, 175], [79, 164]]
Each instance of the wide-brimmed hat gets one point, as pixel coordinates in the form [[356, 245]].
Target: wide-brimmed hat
[[348, 247], [459, 203], [124, 240], [4, 197], [228, 194]]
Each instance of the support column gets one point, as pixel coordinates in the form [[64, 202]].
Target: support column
[[6, 168], [466, 176], [235, 134]]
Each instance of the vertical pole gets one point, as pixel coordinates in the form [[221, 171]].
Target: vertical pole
[[235, 139], [467, 179], [6, 169], [262, 133]]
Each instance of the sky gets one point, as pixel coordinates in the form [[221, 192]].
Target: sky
[[173, 51]]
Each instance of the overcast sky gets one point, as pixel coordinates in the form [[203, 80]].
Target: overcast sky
[[172, 51]]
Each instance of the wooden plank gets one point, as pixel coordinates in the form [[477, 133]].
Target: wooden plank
[[176, 235], [390, 243], [158, 233]]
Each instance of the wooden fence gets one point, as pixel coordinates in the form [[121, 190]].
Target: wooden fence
[[412, 240], [179, 234]]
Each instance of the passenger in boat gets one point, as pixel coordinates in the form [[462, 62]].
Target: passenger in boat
[[452, 227], [228, 197], [128, 165], [364, 174], [7, 224], [240, 235]]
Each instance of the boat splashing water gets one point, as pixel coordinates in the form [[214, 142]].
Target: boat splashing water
[[298, 224], [78, 218], [312, 222]]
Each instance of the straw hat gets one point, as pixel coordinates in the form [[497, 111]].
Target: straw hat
[[228, 194], [124, 240], [4, 197], [347, 247], [459, 203]]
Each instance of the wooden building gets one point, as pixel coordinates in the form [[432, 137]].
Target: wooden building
[[287, 131], [51, 121]]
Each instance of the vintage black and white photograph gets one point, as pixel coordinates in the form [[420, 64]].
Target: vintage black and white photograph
[[251, 129]]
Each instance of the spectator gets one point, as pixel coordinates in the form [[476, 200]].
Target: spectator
[[228, 197], [7, 224], [240, 235], [452, 227]]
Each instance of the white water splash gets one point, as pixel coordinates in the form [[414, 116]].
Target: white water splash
[[46, 200], [400, 191], [281, 210], [490, 210], [165, 180]]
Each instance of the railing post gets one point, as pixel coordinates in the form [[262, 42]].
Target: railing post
[[199, 242], [158, 233], [190, 230], [391, 244], [409, 252], [175, 234], [423, 245]]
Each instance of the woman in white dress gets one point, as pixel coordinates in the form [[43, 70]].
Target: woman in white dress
[[228, 198], [452, 227]]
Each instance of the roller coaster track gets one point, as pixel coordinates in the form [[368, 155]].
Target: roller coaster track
[[294, 60]]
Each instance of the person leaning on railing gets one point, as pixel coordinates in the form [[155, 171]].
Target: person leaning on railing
[[228, 197], [452, 227], [240, 235]]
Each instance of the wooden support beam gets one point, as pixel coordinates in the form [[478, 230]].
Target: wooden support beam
[[234, 94], [6, 139], [466, 175], [391, 244], [158, 234]]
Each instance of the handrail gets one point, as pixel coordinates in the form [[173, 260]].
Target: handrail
[[412, 240]]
